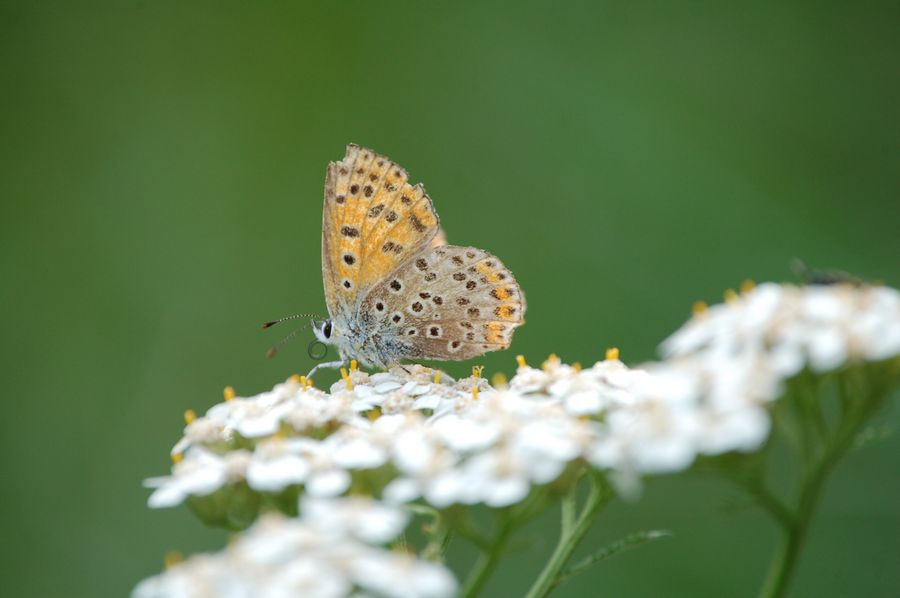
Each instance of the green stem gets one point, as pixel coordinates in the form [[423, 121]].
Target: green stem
[[492, 549], [465, 529], [488, 559], [793, 536], [571, 533], [771, 503], [794, 531], [439, 540]]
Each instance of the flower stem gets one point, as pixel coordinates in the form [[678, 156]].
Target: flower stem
[[856, 412], [488, 559], [571, 533], [793, 535], [441, 535], [768, 501]]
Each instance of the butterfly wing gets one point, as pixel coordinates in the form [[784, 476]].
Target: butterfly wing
[[449, 303], [373, 221]]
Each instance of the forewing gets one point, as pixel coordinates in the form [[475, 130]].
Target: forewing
[[449, 303], [373, 222]]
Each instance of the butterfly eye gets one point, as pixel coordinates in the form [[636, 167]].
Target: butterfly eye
[[326, 329]]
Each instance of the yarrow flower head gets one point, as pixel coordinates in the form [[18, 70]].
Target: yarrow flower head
[[333, 549], [788, 328], [442, 442], [422, 442], [411, 435]]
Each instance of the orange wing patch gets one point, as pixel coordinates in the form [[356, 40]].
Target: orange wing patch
[[373, 222], [404, 224], [337, 186]]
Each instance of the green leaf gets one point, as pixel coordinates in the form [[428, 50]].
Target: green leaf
[[872, 435], [610, 550]]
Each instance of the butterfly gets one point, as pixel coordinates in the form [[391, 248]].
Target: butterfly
[[394, 290]]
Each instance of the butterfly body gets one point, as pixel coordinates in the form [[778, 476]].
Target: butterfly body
[[393, 293], [364, 340]]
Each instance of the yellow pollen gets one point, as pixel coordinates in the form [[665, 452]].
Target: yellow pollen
[[172, 558], [346, 378], [476, 370], [296, 379], [475, 392], [498, 380], [576, 366], [310, 383], [612, 354], [747, 286], [437, 376], [520, 359], [228, 393], [374, 414], [189, 416], [699, 307], [353, 365], [551, 361], [730, 296], [177, 457]]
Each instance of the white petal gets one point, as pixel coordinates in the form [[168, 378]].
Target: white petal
[[269, 475], [584, 402], [462, 434], [445, 489], [359, 453], [402, 490], [506, 491], [827, 350], [331, 482], [386, 387], [166, 496]]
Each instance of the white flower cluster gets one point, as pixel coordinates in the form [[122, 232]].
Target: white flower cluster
[[297, 434], [729, 361], [785, 328], [445, 442], [734, 358], [333, 549]]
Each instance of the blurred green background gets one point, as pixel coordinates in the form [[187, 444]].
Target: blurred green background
[[161, 182]]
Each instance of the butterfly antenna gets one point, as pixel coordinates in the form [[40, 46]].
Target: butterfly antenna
[[271, 352], [286, 318]]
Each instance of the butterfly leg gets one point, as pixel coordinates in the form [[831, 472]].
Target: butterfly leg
[[328, 364]]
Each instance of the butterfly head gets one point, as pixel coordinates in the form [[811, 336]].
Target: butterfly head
[[324, 330]]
